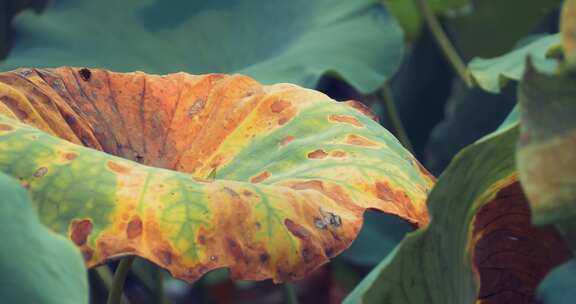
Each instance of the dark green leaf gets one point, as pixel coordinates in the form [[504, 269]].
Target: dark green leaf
[[271, 40], [495, 26], [410, 19]]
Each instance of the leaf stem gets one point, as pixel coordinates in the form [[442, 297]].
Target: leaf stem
[[443, 42], [115, 295], [394, 117], [106, 276], [290, 296]]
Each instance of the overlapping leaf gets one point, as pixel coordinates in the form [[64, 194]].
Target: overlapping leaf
[[292, 170], [270, 40], [480, 244], [36, 265], [493, 74]]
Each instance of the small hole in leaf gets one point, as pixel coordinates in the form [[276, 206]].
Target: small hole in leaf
[[85, 74]]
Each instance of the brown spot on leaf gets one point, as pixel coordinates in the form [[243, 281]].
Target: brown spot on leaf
[[202, 240], [164, 256], [80, 231], [402, 201], [317, 154], [358, 140], [118, 168], [338, 153], [279, 106], [70, 156], [264, 257], [283, 120], [362, 108], [5, 127], [345, 119], [87, 253], [260, 177], [286, 140], [311, 184], [234, 249], [196, 107], [330, 252], [134, 228], [85, 74], [307, 255], [41, 172], [296, 229]]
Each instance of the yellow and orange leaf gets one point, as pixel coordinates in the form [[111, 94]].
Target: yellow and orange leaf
[[197, 172]]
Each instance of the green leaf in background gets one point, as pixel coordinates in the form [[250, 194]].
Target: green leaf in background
[[8, 9], [558, 286], [494, 27], [380, 234], [469, 115], [480, 228], [409, 17], [493, 74], [36, 265], [271, 40]]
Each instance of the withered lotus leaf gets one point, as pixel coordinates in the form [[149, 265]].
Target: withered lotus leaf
[[197, 172]]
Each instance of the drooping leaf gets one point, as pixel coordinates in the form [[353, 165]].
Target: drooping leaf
[[480, 228], [270, 40], [294, 170], [36, 265], [547, 149], [558, 286], [493, 74], [409, 17], [568, 31]]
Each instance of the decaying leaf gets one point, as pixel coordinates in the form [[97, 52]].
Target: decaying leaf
[[546, 153], [480, 246], [568, 31], [201, 172]]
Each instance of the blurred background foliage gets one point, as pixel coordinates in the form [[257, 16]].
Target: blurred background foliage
[[346, 49]]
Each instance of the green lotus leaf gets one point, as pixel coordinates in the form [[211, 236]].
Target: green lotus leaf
[[36, 265], [270, 40], [493, 74]]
